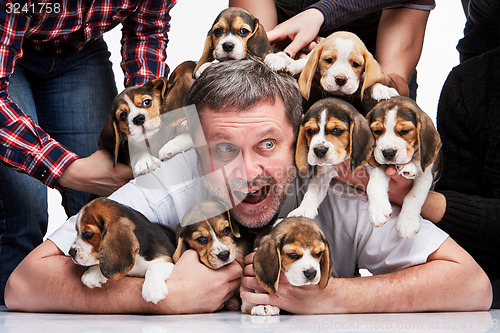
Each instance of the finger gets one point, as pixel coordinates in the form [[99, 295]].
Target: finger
[[252, 283], [234, 270], [259, 298], [249, 258], [391, 171], [233, 284], [276, 34], [248, 270]]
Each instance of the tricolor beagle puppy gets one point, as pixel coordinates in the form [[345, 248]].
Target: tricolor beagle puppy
[[115, 240], [345, 67], [297, 247], [331, 131], [405, 137], [236, 34]]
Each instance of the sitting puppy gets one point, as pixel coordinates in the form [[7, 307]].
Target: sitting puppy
[[297, 247], [405, 137], [134, 132], [115, 240], [331, 131], [346, 68], [236, 34]]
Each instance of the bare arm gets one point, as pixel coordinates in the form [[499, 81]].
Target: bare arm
[[48, 281], [449, 281]]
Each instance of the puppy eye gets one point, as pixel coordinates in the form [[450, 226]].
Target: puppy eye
[[329, 60], [226, 231], [217, 32], [243, 32], [319, 254], [88, 234], [310, 132], [147, 103], [202, 240], [338, 131], [377, 132], [293, 256], [123, 116], [404, 132], [355, 64]]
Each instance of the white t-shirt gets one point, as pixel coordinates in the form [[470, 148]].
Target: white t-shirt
[[164, 195]]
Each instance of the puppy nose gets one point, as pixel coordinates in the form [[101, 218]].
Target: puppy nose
[[139, 120], [389, 154], [72, 252], [224, 255], [320, 151], [228, 47], [310, 274], [340, 80]]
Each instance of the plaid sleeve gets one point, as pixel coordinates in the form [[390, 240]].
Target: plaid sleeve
[[24, 145], [144, 42]]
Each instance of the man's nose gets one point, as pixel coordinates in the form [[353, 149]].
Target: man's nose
[[253, 166]]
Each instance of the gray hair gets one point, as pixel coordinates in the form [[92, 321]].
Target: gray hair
[[241, 84]]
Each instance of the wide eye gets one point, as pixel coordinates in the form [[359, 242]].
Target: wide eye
[[202, 240], [404, 132], [338, 131], [226, 147], [243, 32], [329, 60], [147, 103], [217, 32], [88, 234], [268, 144], [226, 231], [293, 256], [355, 64], [123, 116]]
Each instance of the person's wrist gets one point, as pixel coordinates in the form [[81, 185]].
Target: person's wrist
[[397, 82], [68, 175]]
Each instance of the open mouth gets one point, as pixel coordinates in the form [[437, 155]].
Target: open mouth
[[253, 197]]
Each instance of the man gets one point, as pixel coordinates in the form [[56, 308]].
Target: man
[[251, 114], [56, 89]]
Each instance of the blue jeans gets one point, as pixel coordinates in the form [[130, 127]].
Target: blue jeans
[[69, 97]]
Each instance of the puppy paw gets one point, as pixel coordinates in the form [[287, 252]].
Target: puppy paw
[[93, 277], [409, 170], [379, 212], [265, 310], [154, 291], [277, 61], [304, 211], [145, 165], [408, 225], [169, 150], [380, 92]]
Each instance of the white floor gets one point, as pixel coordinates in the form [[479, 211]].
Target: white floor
[[236, 322]]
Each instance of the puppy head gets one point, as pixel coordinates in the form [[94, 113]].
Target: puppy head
[[401, 129], [210, 233], [343, 62], [331, 131], [299, 248], [134, 115], [235, 34], [105, 236]]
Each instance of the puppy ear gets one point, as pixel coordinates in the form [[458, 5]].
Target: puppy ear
[[258, 44], [373, 72], [307, 75], [267, 264], [207, 55], [429, 141], [119, 246], [234, 226], [325, 265], [301, 151], [181, 248], [159, 84], [361, 140], [109, 139]]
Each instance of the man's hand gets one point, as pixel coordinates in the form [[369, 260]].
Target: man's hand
[[195, 288], [96, 174]]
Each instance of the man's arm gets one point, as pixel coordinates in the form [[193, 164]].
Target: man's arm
[[48, 281], [450, 280]]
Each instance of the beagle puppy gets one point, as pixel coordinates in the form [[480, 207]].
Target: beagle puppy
[[345, 67], [406, 138], [114, 240], [297, 247], [331, 131], [236, 34], [207, 228], [134, 132]]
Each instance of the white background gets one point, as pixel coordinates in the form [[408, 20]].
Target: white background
[[191, 19]]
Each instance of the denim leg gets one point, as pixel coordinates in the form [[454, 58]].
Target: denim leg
[[23, 199], [73, 99]]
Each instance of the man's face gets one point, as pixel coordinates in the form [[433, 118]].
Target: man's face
[[255, 147]]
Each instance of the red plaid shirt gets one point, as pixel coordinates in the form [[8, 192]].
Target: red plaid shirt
[[61, 27]]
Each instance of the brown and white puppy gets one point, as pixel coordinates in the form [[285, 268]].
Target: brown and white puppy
[[236, 34], [331, 131], [297, 247], [345, 67], [115, 240], [405, 137]]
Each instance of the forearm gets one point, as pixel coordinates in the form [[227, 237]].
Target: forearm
[[264, 10]]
